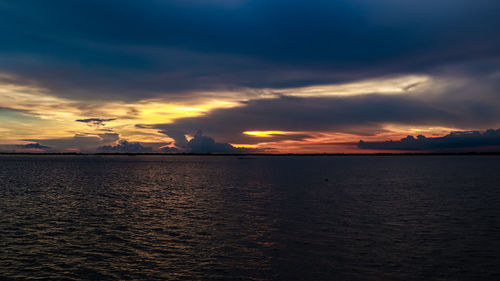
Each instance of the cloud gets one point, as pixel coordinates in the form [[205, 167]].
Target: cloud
[[282, 65], [34, 146], [90, 143], [360, 114], [95, 122], [178, 136], [201, 144], [140, 49], [458, 99], [79, 142], [30, 147], [109, 137], [168, 149], [204, 144], [455, 141], [125, 147]]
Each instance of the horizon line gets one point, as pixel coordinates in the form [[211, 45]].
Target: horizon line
[[256, 154]]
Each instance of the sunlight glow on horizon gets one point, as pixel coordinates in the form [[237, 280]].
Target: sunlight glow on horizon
[[39, 114], [265, 134]]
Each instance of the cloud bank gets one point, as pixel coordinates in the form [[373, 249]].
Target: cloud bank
[[125, 147], [34, 146], [456, 141]]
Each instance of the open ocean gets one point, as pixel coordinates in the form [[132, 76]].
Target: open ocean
[[250, 217]]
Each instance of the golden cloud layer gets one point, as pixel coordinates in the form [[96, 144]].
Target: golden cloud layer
[[42, 114]]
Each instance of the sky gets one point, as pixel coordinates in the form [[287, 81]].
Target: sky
[[249, 76]]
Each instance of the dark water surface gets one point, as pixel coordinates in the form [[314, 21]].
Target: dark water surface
[[258, 218]]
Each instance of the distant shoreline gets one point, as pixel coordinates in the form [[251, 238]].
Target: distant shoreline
[[257, 154]]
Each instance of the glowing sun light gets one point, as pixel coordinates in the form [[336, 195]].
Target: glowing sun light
[[264, 134]]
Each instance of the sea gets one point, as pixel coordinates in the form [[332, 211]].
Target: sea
[[97, 217]]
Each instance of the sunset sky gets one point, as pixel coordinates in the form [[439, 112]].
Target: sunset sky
[[258, 76]]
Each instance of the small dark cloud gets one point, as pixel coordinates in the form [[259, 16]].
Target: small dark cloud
[[95, 122], [34, 146], [168, 149], [456, 141], [125, 147], [105, 130]]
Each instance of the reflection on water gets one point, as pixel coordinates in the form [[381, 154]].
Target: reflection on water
[[266, 218]]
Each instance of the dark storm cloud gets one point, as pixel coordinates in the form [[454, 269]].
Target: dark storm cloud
[[125, 147], [135, 49], [456, 141], [465, 96], [360, 114]]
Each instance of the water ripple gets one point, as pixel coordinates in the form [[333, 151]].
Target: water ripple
[[272, 218]]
